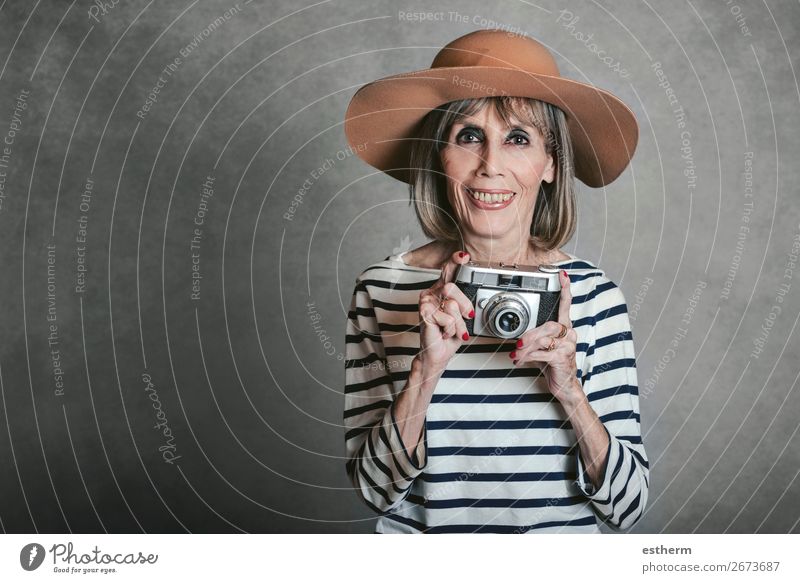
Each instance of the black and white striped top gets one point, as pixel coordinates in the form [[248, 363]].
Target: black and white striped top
[[497, 452]]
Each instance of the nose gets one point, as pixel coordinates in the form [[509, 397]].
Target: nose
[[490, 160]]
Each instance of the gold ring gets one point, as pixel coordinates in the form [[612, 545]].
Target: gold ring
[[563, 331], [552, 345], [441, 304]]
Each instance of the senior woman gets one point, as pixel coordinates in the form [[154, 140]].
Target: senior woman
[[451, 433]]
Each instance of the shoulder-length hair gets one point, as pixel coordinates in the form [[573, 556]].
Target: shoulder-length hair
[[555, 212]]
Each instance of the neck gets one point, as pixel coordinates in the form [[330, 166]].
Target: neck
[[517, 250]]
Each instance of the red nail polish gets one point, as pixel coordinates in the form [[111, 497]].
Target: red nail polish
[[465, 336], [519, 343], [564, 271], [471, 314], [512, 354], [461, 254]]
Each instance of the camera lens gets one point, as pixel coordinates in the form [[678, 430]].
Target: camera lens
[[506, 315], [508, 322]]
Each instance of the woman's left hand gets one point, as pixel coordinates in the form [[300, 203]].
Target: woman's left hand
[[558, 364]]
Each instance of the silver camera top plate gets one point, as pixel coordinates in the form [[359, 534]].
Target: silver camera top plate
[[497, 274]]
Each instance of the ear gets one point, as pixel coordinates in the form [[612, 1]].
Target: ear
[[549, 173]]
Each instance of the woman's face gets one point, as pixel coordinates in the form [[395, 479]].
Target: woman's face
[[494, 172]]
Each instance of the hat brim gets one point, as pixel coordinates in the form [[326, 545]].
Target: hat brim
[[383, 116]]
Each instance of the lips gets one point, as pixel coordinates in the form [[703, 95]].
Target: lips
[[490, 199]]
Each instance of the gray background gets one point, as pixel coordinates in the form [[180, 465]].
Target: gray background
[[246, 386]]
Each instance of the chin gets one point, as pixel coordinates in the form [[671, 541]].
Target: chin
[[490, 230]]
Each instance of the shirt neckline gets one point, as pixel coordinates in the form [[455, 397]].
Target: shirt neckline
[[398, 258]]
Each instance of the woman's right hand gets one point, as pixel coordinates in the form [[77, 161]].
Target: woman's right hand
[[442, 309]]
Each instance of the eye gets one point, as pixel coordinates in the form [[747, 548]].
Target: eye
[[465, 135], [519, 138]]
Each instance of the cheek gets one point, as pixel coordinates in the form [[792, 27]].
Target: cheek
[[529, 171], [454, 168], [454, 162]]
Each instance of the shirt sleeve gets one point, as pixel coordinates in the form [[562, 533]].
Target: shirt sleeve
[[611, 386], [379, 467]]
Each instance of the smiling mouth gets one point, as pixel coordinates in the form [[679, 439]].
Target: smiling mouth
[[492, 199]]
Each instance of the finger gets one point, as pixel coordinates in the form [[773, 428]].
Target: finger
[[561, 351], [538, 344], [452, 307], [540, 359], [428, 301], [431, 315], [446, 322], [427, 307], [532, 336], [453, 292], [545, 356], [427, 293], [451, 265], [572, 336], [566, 300]]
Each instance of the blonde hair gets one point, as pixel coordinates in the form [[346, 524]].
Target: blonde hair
[[555, 212]]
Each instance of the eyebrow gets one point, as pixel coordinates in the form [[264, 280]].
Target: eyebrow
[[518, 126]]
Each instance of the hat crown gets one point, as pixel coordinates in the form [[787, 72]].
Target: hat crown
[[384, 116], [497, 48]]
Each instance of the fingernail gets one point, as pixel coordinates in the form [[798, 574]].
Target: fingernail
[[564, 271], [461, 254], [512, 354], [519, 343], [471, 314], [465, 336]]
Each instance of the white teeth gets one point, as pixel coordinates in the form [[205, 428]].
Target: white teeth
[[491, 197]]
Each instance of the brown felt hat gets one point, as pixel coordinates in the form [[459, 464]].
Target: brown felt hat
[[383, 116]]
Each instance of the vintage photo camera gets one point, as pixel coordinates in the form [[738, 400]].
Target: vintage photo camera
[[509, 299]]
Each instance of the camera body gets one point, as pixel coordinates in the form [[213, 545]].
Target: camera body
[[509, 299]]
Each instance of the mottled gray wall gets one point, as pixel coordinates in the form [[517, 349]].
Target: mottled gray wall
[[248, 391]]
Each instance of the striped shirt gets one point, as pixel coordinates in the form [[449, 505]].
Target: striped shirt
[[497, 453]]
